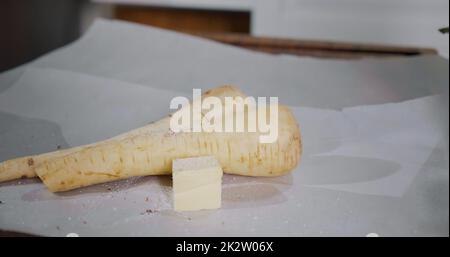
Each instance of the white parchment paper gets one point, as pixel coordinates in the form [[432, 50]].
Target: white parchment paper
[[375, 136]]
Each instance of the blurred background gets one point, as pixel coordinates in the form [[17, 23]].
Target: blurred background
[[30, 28]]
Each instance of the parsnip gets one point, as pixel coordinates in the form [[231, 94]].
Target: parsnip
[[151, 149], [24, 167]]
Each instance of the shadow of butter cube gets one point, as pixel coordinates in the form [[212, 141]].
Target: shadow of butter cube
[[197, 183]]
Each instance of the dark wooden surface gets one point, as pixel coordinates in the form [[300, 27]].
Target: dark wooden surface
[[233, 28], [186, 20], [319, 49]]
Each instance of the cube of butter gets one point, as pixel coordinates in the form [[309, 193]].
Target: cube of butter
[[197, 183]]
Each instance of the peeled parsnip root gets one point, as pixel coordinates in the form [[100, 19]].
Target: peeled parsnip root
[[24, 167], [151, 149]]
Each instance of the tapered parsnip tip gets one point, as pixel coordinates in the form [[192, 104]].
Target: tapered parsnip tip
[[22, 167]]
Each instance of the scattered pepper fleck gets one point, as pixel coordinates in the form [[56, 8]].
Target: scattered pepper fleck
[[148, 211], [30, 161]]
